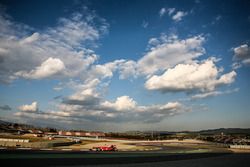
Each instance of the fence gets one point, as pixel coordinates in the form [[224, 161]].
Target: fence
[[15, 140], [240, 146]]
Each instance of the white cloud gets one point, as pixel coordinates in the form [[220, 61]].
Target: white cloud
[[104, 70], [69, 41], [29, 108], [85, 94], [127, 68], [123, 109], [242, 53], [179, 15], [66, 43], [170, 52], [171, 106], [153, 42], [236, 65], [162, 12], [62, 51], [203, 77], [213, 93], [57, 88], [164, 52], [28, 40], [49, 67], [73, 31], [246, 61], [206, 94], [122, 103], [171, 11]]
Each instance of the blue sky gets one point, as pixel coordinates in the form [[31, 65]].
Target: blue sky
[[125, 65]]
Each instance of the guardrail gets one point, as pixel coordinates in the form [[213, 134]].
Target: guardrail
[[240, 146], [15, 140]]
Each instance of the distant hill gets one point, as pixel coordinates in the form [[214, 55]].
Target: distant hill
[[202, 132], [226, 131], [15, 127], [5, 126], [4, 122]]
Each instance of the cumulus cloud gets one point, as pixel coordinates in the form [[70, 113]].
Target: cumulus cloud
[[170, 52], [74, 31], [122, 103], [236, 65], [86, 93], [29, 53], [104, 70], [204, 77], [65, 51], [164, 52], [242, 53], [171, 11], [49, 67], [153, 42], [30, 39], [33, 107], [123, 109], [125, 68], [128, 68], [179, 15], [89, 104], [86, 97], [162, 12]]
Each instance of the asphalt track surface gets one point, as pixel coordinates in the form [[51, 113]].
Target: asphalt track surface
[[113, 159]]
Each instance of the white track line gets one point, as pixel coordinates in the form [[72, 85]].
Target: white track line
[[24, 148], [46, 149], [3, 148], [66, 149]]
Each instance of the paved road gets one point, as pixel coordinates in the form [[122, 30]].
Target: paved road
[[227, 160], [138, 159]]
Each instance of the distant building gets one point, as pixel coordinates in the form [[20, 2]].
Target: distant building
[[51, 133], [36, 133], [81, 134]]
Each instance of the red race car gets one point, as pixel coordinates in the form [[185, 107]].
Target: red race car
[[104, 148]]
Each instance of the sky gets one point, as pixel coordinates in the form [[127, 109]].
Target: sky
[[111, 65]]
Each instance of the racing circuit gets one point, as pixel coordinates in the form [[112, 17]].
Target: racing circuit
[[80, 158], [163, 154]]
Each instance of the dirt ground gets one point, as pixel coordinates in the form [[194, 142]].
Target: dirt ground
[[240, 150], [124, 145]]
